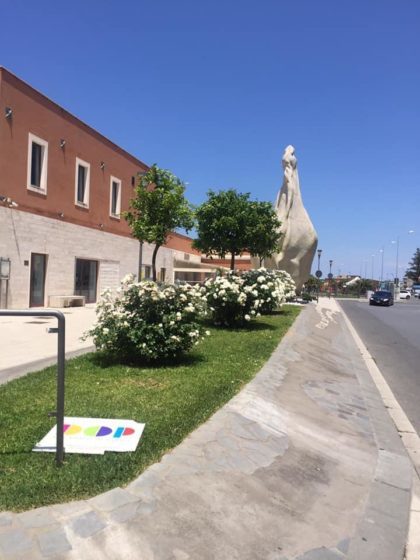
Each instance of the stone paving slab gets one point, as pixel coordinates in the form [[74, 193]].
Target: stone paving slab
[[289, 469]]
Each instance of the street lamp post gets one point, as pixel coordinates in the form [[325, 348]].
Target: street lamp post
[[319, 261], [318, 273], [397, 243], [382, 262], [329, 279]]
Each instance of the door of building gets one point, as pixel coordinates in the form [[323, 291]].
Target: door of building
[[37, 287], [86, 279]]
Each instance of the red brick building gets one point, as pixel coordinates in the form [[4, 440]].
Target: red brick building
[[63, 187]]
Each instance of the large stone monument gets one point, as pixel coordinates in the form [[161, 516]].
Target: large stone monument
[[299, 240]]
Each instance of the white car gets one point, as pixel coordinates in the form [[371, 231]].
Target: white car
[[404, 294]]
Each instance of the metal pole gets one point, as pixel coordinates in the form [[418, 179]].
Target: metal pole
[[382, 263], [61, 331], [140, 260], [61, 364]]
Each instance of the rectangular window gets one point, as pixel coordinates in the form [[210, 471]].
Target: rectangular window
[[82, 183], [37, 164], [115, 198], [147, 272], [162, 274]]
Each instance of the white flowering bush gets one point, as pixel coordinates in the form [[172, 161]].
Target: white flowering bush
[[235, 299], [289, 285], [228, 302], [269, 288], [144, 321]]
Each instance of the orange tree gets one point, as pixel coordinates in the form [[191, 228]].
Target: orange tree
[[158, 208]]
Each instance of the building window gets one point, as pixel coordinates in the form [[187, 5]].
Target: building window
[[115, 198], [162, 274], [37, 164], [82, 183], [147, 272]]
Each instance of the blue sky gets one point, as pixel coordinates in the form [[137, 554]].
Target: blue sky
[[214, 91]]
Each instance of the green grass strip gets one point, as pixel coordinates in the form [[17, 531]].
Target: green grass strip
[[171, 400]]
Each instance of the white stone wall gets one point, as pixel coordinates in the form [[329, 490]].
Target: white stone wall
[[180, 256], [23, 233]]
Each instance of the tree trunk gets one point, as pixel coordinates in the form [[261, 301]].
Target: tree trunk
[[261, 261], [232, 261], [155, 250]]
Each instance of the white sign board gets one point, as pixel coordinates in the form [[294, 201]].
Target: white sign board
[[94, 436]]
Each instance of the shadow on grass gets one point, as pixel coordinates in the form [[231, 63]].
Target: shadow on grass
[[240, 327], [104, 360]]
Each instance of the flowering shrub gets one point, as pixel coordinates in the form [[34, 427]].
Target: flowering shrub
[[146, 321], [235, 299], [269, 288], [228, 302], [288, 284]]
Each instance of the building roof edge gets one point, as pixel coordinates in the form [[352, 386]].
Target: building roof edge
[[22, 85]]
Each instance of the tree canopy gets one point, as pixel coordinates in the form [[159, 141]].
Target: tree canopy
[[413, 271], [229, 222], [158, 208], [264, 231]]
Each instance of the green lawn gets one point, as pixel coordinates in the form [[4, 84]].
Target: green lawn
[[171, 400]]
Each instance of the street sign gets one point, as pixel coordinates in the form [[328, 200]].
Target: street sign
[[330, 276], [318, 273]]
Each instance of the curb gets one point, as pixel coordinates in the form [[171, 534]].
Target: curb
[[19, 371], [382, 531]]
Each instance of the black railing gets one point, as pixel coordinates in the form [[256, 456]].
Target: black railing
[[61, 331]]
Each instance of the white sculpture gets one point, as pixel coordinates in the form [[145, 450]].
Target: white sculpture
[[299, 241]]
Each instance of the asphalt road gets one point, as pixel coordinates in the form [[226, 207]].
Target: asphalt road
[[392, 336]]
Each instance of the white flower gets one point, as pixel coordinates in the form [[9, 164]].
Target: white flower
[[207, 333], [105, 330], [260, 279], [247, 318]]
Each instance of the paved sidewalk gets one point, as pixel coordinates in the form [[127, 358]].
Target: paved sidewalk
[[303, 464], [26, 345]]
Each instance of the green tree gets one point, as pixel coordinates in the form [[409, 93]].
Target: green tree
[[264, 231], [413, 272], [229, 222], [158, 208], [312, 284], [222, 224]]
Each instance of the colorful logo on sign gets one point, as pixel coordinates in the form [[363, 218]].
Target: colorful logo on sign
[[97, 431]]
